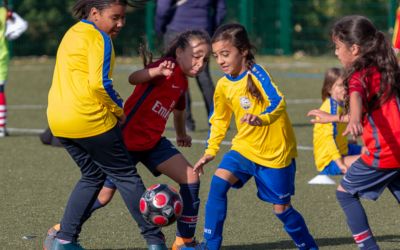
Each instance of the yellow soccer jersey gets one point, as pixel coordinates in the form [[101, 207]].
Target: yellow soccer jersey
[[273, 144], [82, 101], [329, 143], [4, 56]]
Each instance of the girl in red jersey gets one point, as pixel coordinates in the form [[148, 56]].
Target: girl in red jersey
[[160, 90], [373, 79]]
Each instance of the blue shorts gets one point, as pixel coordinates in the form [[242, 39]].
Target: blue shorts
[[369, 183], [274, 185], [151, 158], [333, 169]]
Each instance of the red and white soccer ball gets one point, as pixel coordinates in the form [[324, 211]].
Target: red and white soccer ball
[[161, 205]]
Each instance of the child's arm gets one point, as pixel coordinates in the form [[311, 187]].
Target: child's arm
[[324, 117], [144, 75], [182, 139], [340, 162], [355, 127]]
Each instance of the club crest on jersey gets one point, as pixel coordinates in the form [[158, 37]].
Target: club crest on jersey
[[245, 102]]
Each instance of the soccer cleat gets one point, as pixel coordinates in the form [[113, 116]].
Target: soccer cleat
[[322, 180], [201, 246], [157, 247], [69, 246], [183, 243], [50, 237]]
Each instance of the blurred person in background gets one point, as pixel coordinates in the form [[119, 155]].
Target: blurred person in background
[[174, 17]]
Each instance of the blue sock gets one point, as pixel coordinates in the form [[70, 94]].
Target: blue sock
[[296, 227], [216, 207], [357, 220], [186, 225]]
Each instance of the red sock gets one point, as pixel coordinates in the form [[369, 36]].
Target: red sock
[[3, 109]]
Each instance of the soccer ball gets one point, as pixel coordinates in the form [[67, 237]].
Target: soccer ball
[[161, 205]]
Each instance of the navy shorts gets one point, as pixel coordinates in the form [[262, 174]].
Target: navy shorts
[[274, 185], [333, 169], [151, 158], [369, 183]]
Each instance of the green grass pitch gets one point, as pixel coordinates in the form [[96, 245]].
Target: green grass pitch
[[36, 180]]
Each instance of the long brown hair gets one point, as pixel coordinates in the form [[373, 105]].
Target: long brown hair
[[236, 34], [375, 52], [181, 41], [331, 76]]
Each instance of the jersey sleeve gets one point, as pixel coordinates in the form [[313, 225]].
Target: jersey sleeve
[[329, 132], [219, 120], [270, 92], [100, 71]]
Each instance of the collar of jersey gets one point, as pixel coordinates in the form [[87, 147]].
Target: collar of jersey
[[239, 77], [88, 22]]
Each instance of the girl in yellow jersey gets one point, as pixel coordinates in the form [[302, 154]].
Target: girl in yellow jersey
[[85, 112], [264, 146], [333, 154]]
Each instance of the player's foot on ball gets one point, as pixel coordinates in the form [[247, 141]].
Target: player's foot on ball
[[157, 247], [181, 243], [50, 237]]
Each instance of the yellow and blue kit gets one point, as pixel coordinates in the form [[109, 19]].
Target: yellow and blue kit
[[82, 101], [273, 144], [329, 143], [265, 153]]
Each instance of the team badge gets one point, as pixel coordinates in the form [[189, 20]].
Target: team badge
[[245, 102]]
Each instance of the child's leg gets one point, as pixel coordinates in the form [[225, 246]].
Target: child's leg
[[179, 169], [276, 186], [216, 207], [357, 220], [295, 226]]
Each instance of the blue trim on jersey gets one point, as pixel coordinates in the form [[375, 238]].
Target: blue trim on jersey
[[375, 162], [333, 110], [270, 91], [237, 78], [107, 82]]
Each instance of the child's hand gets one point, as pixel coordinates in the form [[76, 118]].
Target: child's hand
[[354, 128], [251, 119], [166, 68], [320, 116], [198, 167], [184, 141], [122, 119]]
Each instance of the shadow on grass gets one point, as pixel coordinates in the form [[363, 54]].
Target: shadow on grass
[[287, 244]]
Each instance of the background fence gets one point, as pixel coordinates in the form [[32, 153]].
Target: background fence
[[275, 26]]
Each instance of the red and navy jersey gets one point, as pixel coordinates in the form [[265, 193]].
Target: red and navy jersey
[[149, 106], [381, 125]]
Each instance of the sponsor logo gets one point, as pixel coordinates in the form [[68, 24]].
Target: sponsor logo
[[162, 111], [245, 102], [207, 231], [175, 86]]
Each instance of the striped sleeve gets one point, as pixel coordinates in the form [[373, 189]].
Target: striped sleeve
[[100, 71], [270, 92]]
